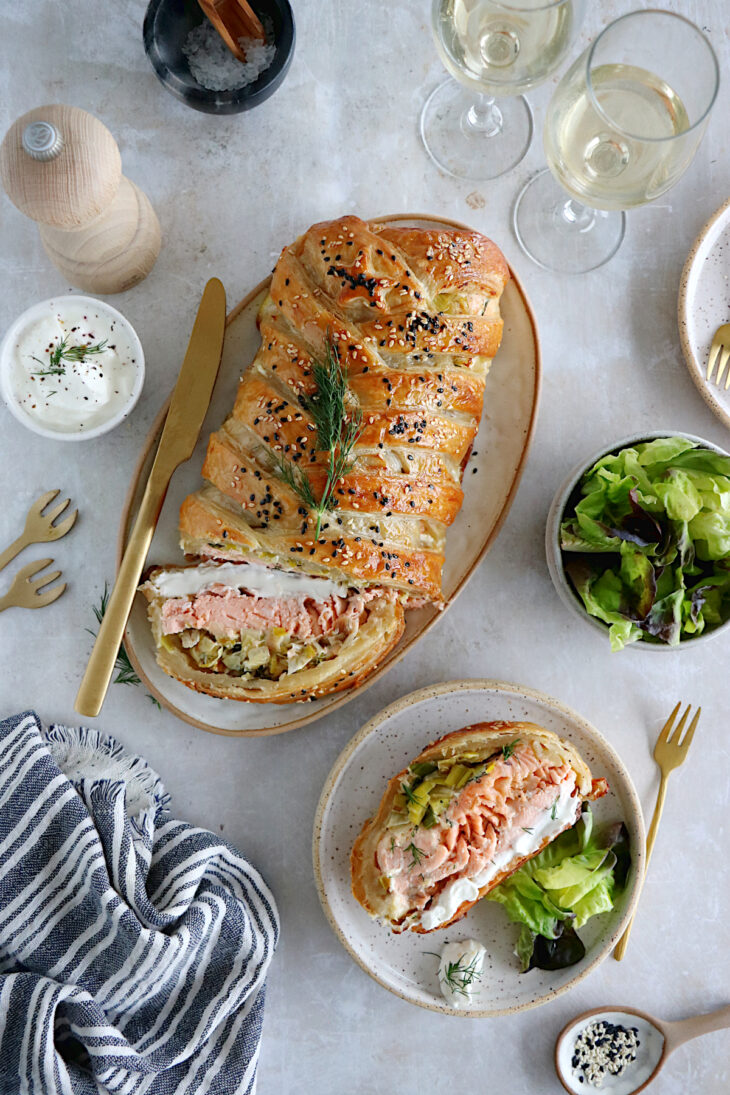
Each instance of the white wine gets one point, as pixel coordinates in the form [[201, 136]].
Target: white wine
[[616, 135], [626, 151], [500, 48]]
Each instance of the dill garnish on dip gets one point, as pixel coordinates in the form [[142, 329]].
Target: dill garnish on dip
[[460, 971], [71, 366]]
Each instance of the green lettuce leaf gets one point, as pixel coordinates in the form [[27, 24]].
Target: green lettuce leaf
[[710, 529], [646, 541], [639, 577], [569, 896], [682, 501], [522, 910], [597, 900], [524, 947], [571, 880], [664, 619], [663, 450], [571, 871], [603, 597]]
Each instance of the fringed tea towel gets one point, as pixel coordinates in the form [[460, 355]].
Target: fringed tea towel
[[133, 948]]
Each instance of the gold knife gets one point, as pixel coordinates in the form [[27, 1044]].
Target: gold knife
[[188, 408]]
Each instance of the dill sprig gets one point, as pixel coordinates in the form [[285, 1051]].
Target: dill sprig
[[337, 433], [62, 353], [417, 853], [297, 479], [410, 794], [508, 750], [126, 673], [460, 975]]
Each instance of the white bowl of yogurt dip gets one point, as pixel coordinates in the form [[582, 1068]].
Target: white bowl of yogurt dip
[[71, 368]]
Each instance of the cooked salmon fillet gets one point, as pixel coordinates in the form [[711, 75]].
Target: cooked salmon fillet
[[464, 815], [482, 822], [250, 632], [225, 612]]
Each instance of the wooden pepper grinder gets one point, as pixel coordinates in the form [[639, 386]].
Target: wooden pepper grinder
[[61, 167]]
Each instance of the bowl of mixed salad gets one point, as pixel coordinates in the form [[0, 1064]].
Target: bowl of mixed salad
[[638, 541]]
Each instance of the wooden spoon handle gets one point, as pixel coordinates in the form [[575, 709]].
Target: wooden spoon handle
[[686, 1029], [249, 19], [620, 949]]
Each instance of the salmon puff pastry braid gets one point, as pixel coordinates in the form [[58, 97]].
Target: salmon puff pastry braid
[[465, 814], [332, 483]]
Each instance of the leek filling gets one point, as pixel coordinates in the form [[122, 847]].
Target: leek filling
[[431, 788], [270, 654]]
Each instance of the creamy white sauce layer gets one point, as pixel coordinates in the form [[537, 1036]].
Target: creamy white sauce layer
[[264, 581], [466, 958], [82, 394], [453, 896]]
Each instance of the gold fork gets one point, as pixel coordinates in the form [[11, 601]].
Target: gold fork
[[669, 753], [39, 527], [720, 341], [26, 593]]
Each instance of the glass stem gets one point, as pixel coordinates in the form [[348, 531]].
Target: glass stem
[[576, 216], [483, 117]]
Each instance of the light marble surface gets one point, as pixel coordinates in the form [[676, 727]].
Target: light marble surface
[[340, 136]]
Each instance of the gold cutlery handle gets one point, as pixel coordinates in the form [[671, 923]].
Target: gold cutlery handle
[[188, 407], [100, 667], [620, 949], [15, 549]]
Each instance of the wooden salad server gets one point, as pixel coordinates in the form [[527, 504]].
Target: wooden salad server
[[183, 423], [233, 19]]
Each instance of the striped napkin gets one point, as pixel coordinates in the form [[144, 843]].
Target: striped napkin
[[133, 948]]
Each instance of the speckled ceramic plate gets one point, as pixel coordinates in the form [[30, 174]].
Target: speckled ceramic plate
[[704, 305], [351, 794], [510, 409]]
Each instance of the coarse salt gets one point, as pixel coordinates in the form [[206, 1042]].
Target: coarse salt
[[213, 65]]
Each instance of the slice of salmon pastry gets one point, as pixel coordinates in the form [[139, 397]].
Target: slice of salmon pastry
[[244, 631], [465, 814]]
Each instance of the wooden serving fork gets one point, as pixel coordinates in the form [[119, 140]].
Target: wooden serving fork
[[39, 527], [669, 753], [26, 593]]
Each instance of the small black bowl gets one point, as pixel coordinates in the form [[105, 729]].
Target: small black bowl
[[167, 24]]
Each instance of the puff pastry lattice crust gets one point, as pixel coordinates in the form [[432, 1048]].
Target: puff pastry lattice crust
[[414, 315]]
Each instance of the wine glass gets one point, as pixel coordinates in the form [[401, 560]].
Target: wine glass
[[495, 49], [622, 126]]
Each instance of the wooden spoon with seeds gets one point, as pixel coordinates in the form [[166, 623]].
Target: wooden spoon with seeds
[[657, 1039]]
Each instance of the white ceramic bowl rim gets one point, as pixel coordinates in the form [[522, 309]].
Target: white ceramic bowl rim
[[78, 435], [552, 538]]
